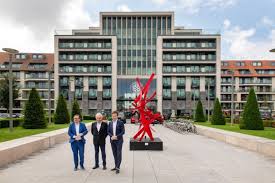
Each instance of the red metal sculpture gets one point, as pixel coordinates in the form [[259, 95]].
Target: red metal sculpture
[[146, 116]]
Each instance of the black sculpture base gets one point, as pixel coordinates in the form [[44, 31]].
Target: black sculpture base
[[146, 144]]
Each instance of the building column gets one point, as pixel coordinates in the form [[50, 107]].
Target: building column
[[99, 93], [188, 100], [159, 74], [85, 96], [114, 74], [174, 93]]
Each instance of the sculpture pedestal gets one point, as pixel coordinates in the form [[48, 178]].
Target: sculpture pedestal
[[146, 144]]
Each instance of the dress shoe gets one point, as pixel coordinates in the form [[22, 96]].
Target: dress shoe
[[117, 171], [82, 167], [95, 167], [104, 167], [113, 169], [75, 169]]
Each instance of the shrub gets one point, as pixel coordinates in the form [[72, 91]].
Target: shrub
[[251, 115], [75, 109], [34, 116], [61, 115], [199, 116], [217, 118], [88, 117], [4, 123]]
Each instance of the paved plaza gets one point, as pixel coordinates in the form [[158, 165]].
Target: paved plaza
[[186, 158]]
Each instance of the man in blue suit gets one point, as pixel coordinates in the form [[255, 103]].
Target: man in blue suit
[[116, 131], [77, 131]]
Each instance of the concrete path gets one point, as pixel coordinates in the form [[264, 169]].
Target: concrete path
[[186, 158]]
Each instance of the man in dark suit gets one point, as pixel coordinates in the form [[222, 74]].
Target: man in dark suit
[[77, 131], [116, 131], [99, 132]]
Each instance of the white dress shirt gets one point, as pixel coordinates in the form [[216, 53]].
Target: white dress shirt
[[98, 125], [77, 128], [114, 127]]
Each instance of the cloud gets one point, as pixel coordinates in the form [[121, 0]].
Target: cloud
[[226, 23], [30, 24], [159, 2], [267, 21], [194, 6], [123, 8], [239, 43]]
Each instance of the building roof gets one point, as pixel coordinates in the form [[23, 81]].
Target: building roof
[[48, 58], [248, 65]]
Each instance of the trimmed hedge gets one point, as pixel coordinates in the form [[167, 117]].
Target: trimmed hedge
[[199, 116], [34, 114], [4, 123], [217, 117], [251, 115], [61, 115], [88, 117]]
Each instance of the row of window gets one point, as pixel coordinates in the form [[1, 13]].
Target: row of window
[[39, 85], [86, 44], [92, 93], [240, 64], [188, 69], [181, 94], [37, 66], [23, 56], [36, 75], [152, 25], [85, 69], [188, 56], [166, 81], [64, 81], [188, 44], [86, 57]]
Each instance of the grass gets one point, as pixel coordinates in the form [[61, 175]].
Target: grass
[[19, 132], [268, 132]]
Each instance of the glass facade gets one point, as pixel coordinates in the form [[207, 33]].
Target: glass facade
[[136, 44]]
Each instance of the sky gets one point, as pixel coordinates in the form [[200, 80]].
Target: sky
[[247, 27]]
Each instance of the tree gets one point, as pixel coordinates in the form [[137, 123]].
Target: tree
[[199, 116], [217, 118], [75, 109], [34, 112], [251, 117], [61, 115], [4, 92]]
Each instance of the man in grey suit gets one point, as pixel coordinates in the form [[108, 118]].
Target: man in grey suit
[[116, 131]]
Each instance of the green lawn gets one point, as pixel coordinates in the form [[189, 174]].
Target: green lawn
[[19, 132], [267, 133]]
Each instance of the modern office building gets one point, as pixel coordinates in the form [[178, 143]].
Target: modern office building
[[31, 70], [99, 65], [242, 75]]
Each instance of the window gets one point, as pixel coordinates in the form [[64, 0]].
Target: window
[[257, 64], [225, 64], [240, 64]]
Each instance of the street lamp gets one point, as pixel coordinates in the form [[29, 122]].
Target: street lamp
[[11, 53]]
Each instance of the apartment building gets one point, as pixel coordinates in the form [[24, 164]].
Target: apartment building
[[242, 75], [31, 70], [99, 65]]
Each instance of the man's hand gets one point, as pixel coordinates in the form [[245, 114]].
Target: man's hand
[[81, 134], [114, 137], [78, 137]]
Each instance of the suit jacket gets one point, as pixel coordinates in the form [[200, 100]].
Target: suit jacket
[[120, 130], [72, 131], [99, 136]]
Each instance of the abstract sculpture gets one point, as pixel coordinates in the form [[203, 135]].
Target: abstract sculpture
[[146, 116]]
